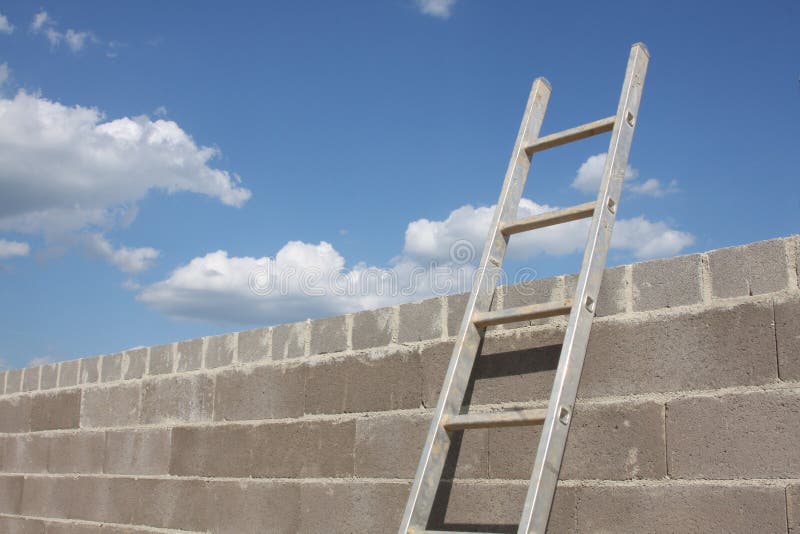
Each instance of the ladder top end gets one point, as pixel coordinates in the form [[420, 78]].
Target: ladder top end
[[643, 47], [542, 79]]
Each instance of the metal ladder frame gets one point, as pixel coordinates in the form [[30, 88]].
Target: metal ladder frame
[[557, 417]]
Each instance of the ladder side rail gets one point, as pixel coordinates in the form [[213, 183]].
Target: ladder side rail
[[434, 454], [544, 477]]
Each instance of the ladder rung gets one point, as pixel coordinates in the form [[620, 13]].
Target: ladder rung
[[573, 134], [496, 419], [550, 218], [522, 313]]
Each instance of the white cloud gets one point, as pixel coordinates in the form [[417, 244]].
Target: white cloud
[[590, 174], [65, 171], [13, 248], [129, 260], [649, 239], [5, 26], [654, 188], [160, 111], [40, 19], [76, 40], [436, 8], [5, 72]]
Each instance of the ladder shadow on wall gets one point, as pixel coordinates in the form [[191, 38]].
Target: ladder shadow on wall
[[522, 375]]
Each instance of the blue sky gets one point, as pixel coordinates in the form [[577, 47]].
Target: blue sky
[[156, 159]]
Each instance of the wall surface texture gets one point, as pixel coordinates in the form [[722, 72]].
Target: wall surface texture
[[688, 418]]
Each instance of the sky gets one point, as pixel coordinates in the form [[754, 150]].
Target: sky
[[175, 170]]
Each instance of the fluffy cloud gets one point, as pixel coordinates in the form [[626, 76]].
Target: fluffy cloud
[[307, 280], [436, 8], [654, 188], [76, 40], [13, 248], [129, 260], [590, 173], [40, 20], [5, 26], [66, 171], [45, 24]]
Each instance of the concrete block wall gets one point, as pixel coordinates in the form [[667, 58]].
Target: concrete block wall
[[688, 418]]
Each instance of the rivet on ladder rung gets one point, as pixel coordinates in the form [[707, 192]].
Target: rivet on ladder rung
[[563, 415]]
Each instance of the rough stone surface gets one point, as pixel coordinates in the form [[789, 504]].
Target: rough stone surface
[[189, 355], [749, 269], [667, 283], [328, 335], [111, 368], [30, 378], [220, 350], [15, 414], [268, 392], [49, 376], [727, 436], [76, 453], [254, 345], [793, 512], [110, 406], [13, 381], [56, 410], [372, 328], [289, 340], [352, 507], [161, 359], [177, 399], [68, 373], [90, 370], [420, 321], [138, 452], [787, 325], [10, 494], [21, 525], [25, 454], [134, 363]]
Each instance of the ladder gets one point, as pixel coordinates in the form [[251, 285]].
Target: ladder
[[555, 419]]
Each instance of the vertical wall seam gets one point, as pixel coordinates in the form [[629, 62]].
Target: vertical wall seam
[[348, 331], [707, 293], [786, 507], [628, 288], [203, 347], [235, 348], [307, 337], [775, 334], [443, 307], [790, 247], [395, 325], [269, 343], [147, 362], [666, 442]]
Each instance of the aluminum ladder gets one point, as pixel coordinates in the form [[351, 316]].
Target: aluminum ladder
[[581, 308]]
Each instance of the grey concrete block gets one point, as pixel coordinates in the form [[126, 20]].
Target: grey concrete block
[[88, 528], [56, 410], [134, 363], [177, 399], [534, 292], [328, 335], [619, 441], [25, 454], [750, 269], [76, 453], [217, 451], [420, 321], [111, 368], [68, 373], [682, 508], [10, 494], [90, 370], [352, 507], [49, 376], [372, 328], [787, 329], [161, 358], [177, 504], [110, 406], [360, 384], [752, 435], [254, 345], [456, 306], [254, 506], [138, 452], [389, 447], [21, 525], [667, 283], [15, 414], [30, 378], [13, 381], [793, 508], [612, 298], [189, 355], [2, 382], [220, 350], [260, 393], [289, 340]]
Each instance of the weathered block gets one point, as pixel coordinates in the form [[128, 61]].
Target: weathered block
[[254, 506], [372, 328], [177, 504], [787, 328], [68, 373], [254, 345], [420, 321], [30, 378], [612, 298], [456, 306], [678, 508], [260, 393], [76, 453], [138, 452], [328, 335], [10, 494], [179, 398], [13, 381], [667, 283], [725, 437], [49, 376], [352, 507], [25, 454], [750, 269], [2, 382], [56, 410], [161, 358], [110, 406], [534, 292], [609, 441], [220, 350], [15, 414], [111, 368], [361, 384], [90, 370], [218, 451], [21, 525], [289, 340], [189, 355], [134, 363], [793, 504]]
